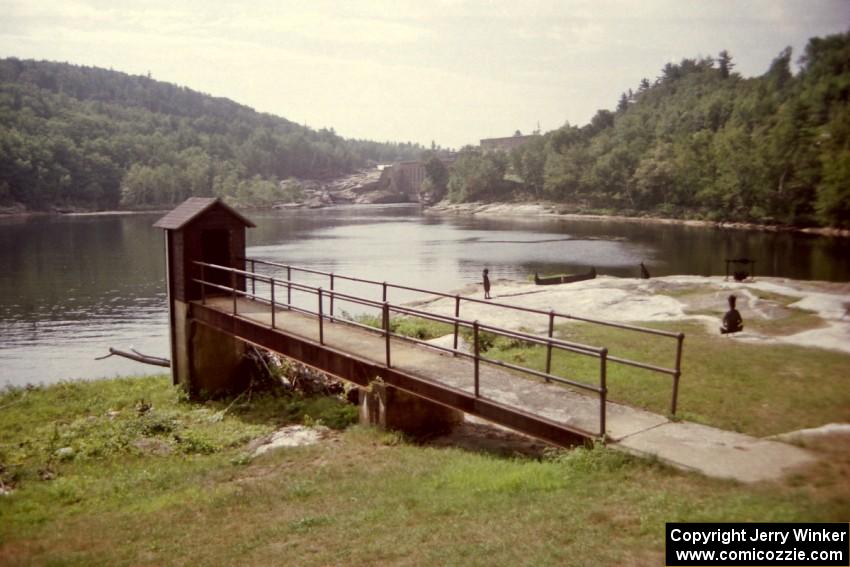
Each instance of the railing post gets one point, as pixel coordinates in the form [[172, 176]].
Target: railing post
[[271, 283], [203, 287], [674, 402], [384, 294], [457, 316], [321, 320], [549, 344], [603, 390], [253, 277], [332, 297], [386, 325], [233, 286], [289, 287], [475, 351]]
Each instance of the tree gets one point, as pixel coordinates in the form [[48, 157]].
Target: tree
[[654, 181], [779, 73], [724, 63], [71, 135], [528, 162], [601, 120], [436, 181], [833, 197], [476, 175]]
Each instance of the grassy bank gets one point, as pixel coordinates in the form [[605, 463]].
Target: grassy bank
[[187, 494], [759, 389], [755, 388]]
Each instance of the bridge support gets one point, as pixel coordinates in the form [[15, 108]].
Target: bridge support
[[209, 362], [391, 408]]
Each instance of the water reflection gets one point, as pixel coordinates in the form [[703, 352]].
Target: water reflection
[[70, 287]]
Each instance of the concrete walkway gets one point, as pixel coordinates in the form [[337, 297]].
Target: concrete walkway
[[711, 451]]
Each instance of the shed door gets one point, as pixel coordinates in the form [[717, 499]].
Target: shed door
[[215, 248]]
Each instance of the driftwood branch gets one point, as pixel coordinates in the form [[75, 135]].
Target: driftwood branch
[[137, 356]]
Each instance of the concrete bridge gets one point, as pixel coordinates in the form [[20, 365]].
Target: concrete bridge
[[220, 302]]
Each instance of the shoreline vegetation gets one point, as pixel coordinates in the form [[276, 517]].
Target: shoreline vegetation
[[497, 209], [559, 210], [699, 141]]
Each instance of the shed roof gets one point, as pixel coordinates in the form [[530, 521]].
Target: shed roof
[[191, 208]]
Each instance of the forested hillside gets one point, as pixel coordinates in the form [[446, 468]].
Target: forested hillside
[[83, 137], [699, 141]]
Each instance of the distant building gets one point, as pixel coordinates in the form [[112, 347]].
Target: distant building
[[407, 176], [506, 144]]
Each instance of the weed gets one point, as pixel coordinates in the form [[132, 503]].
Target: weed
[[154, 423], [308, 523], [241, 460], [391, 438], [486, 339], [415, 327], [192, 442]]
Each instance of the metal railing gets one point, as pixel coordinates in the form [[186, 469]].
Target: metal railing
[[553, 316], [387, 310]]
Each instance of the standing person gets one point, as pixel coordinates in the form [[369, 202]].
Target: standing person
[[486, 284], [732, 321]]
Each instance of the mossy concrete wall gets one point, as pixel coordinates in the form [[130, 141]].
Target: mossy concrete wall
[[208, 362], [391, 408], [218, 364]]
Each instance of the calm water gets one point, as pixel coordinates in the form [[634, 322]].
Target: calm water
[[70, 287]]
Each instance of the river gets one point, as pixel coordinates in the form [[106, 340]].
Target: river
[[72, 286]]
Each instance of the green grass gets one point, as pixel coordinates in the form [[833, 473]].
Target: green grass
[[362, 497], [416, 327], [370, 497], [759, 389], [753, 388], [105, 419]]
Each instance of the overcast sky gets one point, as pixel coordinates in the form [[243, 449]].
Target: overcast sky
[[452, 71]]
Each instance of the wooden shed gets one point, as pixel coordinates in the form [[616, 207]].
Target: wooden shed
[[202, 229]]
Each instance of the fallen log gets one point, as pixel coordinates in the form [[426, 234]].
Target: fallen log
[[138, 357]]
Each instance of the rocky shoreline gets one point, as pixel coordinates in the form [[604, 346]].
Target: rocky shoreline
[[369, 187], [365, 187], [768, 305], [553, 210]]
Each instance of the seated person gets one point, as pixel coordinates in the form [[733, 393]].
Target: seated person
[[732, 321]]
